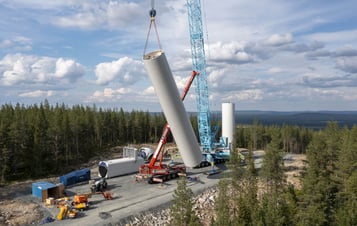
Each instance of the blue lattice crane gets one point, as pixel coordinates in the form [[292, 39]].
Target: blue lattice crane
[[199, 65]]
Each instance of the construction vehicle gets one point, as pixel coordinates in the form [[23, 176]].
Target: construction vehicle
[[80, 202], [99, 185], [67, 212], [158, 171]]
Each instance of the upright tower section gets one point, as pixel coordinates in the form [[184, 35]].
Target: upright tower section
[[228, 123], [199, 65]]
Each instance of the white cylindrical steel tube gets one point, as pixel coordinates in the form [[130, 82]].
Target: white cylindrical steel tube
[[228, 122], [173, 108]]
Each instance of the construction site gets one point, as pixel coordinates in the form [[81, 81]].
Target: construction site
[[143, 179], [84, 203], [111, 191], [124, 199]]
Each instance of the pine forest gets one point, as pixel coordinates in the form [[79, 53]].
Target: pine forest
[[42, 140]]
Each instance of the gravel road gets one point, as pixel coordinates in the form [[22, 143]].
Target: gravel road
[[131, 198]]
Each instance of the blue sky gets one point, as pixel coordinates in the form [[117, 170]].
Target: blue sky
[[297, 55]]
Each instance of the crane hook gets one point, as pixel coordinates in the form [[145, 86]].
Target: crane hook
[[152, 13]]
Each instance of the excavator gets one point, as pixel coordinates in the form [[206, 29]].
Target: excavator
[[158, 171]]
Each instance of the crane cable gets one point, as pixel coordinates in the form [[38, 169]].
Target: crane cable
[[152, 13]]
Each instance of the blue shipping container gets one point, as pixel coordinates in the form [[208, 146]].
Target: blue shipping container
[[75, 177], [44, 190]]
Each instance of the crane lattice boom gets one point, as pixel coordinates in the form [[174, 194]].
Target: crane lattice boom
[[199, 65]]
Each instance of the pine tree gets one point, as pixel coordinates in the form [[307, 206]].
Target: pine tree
[[181, 210], [346, 175], [317, 204], [222, 205], [273, 204], [249, 203]]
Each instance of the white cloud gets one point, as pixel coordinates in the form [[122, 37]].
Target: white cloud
[[120, 14], [86, 16], [37, 93], [279, 39], [150, 91], [275, 70], [68, 69], [107, 95], [17, 43], [231, 52], [246, 95], [251, 57], [111, 15], [124, 94], [30, 69], [124, 70], [37, 4]]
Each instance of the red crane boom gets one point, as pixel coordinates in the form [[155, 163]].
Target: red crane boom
[[152, 169]]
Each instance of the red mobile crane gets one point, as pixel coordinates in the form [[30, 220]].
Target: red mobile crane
[[159, 172]]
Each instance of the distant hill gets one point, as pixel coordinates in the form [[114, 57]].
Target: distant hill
[[315, 120]]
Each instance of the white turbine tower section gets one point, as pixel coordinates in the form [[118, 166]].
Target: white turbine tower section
[[173, 108], [228, 123]]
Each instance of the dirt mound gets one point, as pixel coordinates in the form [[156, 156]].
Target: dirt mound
[[20, 212]]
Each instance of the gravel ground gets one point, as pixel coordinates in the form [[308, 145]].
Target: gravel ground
[[19, 207]]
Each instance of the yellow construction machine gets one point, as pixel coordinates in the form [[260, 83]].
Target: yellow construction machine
[[67, 212]]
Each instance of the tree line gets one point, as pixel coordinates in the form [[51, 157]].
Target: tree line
[[262, 197], [51, 140], [42, 140]]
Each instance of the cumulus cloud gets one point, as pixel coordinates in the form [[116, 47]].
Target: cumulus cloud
[[231, 52], [68, 69], [124, 70], [29, 69], [279, 39]]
